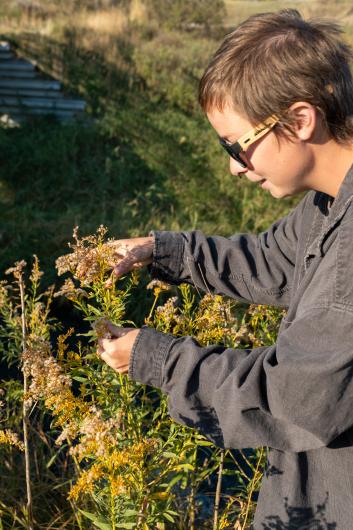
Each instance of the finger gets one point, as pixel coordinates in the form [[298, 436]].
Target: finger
[[99, 351], [140, 264], [125, 266], [109, 283], [108, 345], [122, 368], [113, 329]]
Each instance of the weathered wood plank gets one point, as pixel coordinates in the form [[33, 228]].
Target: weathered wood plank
[[43, 103], [28, 92], [17, 65], [4, 46], [24, 91], [17, 74], [5, 56], [15, 111], [40, 84]]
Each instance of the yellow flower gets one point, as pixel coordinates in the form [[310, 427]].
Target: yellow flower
[[86, 481], [117, 485], [10, 438]]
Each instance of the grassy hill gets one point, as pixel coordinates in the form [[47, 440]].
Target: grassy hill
[[148, 159]]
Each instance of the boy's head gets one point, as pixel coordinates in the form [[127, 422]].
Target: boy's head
[[271, 62], [275, 59]]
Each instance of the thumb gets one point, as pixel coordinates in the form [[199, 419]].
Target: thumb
[[117, 331], [113, 329]]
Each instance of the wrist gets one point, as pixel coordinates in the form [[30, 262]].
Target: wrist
[[150, 243]]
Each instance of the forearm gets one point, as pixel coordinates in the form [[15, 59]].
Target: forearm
[[240, 267], [293, 396], [254, 268]]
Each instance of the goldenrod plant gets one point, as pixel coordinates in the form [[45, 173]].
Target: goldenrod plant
[[127, 463]]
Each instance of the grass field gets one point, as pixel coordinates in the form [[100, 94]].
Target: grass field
[[151, 159]]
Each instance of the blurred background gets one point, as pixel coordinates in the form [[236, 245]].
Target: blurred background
[[143, 155]]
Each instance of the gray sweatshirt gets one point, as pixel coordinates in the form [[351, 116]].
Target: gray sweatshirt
[[296, 397]]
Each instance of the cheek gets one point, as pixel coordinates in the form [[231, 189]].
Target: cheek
[[290, 157], [265, 153]]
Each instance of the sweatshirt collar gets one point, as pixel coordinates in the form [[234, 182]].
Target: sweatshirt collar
[[332, 210]]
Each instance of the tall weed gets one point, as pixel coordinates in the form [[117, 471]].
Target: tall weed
[[127, 463]]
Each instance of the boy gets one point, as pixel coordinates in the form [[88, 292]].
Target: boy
[[279, 94]]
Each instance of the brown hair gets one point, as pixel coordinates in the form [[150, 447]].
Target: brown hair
[[272, 60]]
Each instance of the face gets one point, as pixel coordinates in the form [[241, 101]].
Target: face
[[277, 165]]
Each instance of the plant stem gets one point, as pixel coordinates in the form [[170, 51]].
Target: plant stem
[[142, 512], [29, 507], [152, 308], [192, 493], [218, 491], [252, 487], [112, 510]]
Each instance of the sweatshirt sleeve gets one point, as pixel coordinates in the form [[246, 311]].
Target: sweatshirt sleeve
[[295, 396], [253, 268]]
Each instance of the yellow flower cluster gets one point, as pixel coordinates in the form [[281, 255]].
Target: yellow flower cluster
[[210, 322], [47, 378], [98, 436], [158, 286], [214, 322], [118, 467], [133, 456], [95, 437], [168, 317], [8, 437], [87, 480], [17, 269], [89, 257], [70, 291], [117, 485]]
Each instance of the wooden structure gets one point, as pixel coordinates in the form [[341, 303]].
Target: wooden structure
[[26, 91]]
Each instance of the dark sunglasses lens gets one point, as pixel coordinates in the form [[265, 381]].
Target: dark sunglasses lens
[[233, 153], [235, 156], [238, 159]]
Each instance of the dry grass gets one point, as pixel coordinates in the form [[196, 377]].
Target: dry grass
[[100, 25], [340, 11], [50, 19], [112, 21], [94, 30], [239, 9]]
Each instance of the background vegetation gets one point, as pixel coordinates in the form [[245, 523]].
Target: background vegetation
[[144, 158]]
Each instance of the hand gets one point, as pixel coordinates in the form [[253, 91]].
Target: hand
[[130, 254], [117, 350]]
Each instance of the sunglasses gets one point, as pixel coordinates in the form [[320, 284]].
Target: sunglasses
[[234, 150]]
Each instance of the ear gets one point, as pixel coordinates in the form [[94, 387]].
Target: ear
[[306, 119]]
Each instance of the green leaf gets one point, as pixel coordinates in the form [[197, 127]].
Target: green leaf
[[53, 458], [79, 378], [126, 525], [102, 525], [94, 310], [167, 516], [174, 480], [184, 467], [169, 454], [204, 443], [99, 523]]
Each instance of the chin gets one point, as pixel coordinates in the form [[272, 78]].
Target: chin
[[280, 194]]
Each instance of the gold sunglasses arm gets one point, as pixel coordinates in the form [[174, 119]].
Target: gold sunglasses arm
[[258, 132]]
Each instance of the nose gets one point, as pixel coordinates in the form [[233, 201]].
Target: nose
[[235, 167]]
